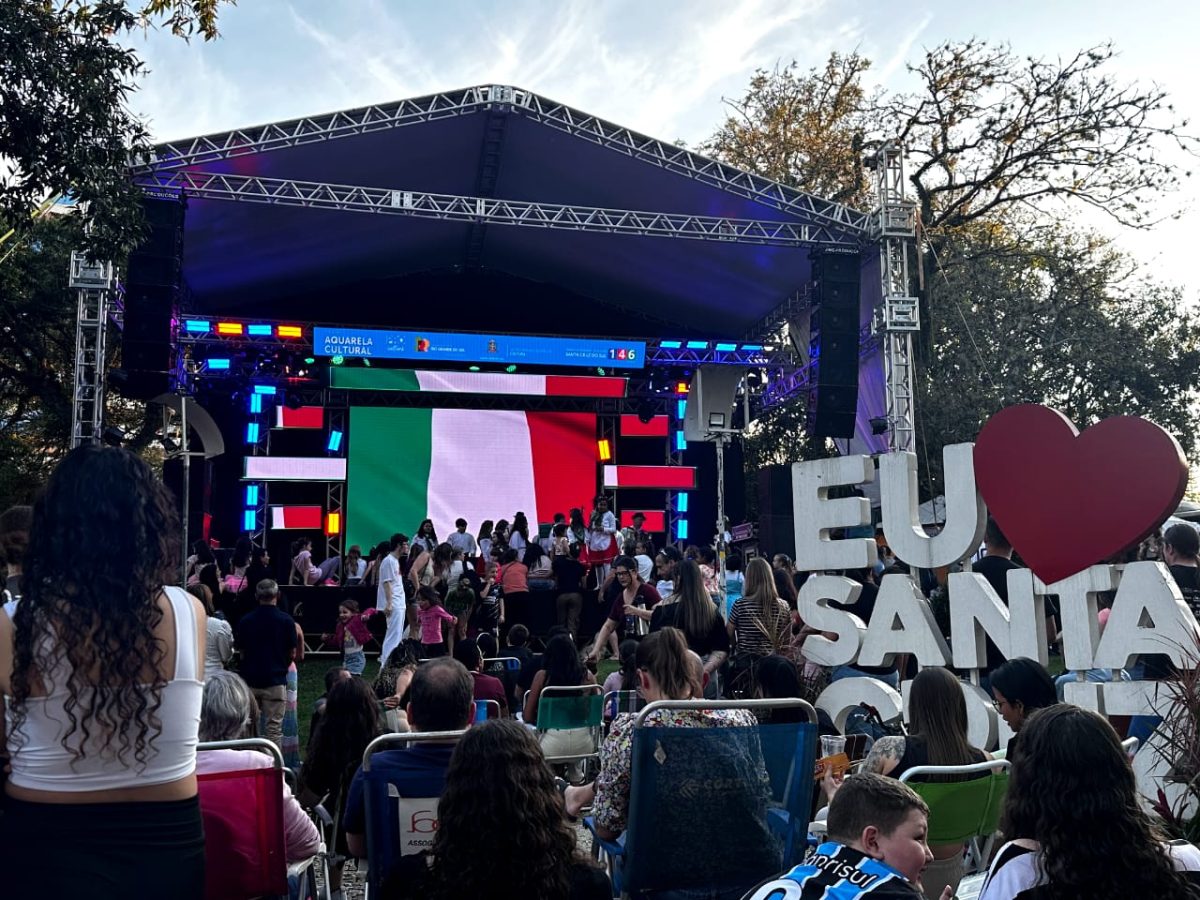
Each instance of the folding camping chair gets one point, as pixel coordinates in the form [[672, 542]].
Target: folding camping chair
[[397, 825], [579, 707], [243, 829], [616, 702], [963, 811], [714, 808]]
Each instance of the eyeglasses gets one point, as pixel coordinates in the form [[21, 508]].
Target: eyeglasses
[[621, 572]]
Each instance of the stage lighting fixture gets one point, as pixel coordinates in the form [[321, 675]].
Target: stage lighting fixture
[[252, 433], [256, 403], [681, 503], [335, 441], [646, 411], [510, 369], [680, 441], [472, 368], [337, 360], [333, 523], [249, 520], [309, 360], [604, 449], [600, 371], [879, 425], [366, 363], [681, 387], [681, 530], [113, 436]]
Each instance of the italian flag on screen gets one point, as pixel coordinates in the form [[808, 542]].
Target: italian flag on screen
[[409, 464]]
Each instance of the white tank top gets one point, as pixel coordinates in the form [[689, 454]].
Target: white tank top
[[39, 761]]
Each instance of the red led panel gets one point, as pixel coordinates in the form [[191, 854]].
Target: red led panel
[[584, 386], [307, 517], [632, 426], [675, 478], [304, 417], [656, 519]]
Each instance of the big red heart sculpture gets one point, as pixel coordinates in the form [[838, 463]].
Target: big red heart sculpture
[[1067, 500]]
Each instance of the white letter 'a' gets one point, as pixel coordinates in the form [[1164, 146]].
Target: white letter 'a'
[[966, 515]]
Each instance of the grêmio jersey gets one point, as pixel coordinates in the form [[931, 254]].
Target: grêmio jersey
[[833, 871]]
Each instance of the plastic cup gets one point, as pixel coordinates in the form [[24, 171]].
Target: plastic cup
[[832, 745]]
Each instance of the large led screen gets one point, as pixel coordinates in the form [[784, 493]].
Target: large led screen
[[409, 464]]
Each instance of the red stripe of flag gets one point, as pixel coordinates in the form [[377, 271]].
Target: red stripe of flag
[[584, 386], [667, 477], [656, 519], [304, 417], [632, 426], [564, 456]]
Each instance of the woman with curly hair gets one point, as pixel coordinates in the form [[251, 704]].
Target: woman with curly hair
[[101, 667], [350, 722], [1073, 806], [498, 775]]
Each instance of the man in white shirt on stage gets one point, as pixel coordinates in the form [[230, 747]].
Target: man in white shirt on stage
[[390, 599], [462, 540]]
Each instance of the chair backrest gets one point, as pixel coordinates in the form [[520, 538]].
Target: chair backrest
[[486, 709], [961, 810], [242, 811], [622, 702], [581, 706], [398, 823], [700, 797], [509, 663]]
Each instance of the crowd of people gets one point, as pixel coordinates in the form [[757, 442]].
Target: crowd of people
[[111, 677]]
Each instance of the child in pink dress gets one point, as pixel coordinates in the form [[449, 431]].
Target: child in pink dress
[[430, 615]]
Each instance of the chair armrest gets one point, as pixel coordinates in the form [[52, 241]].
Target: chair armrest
[[612, 848]]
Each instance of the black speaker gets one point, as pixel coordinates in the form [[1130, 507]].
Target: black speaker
[[776, 523], [151, 300], [834, 343]]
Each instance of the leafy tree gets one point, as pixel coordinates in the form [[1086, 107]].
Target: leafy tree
[[805, 130], [1017, 303], [65, 124]]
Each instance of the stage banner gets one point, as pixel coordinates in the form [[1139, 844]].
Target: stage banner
[[409, 464]]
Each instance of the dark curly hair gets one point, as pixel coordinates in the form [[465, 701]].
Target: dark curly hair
[[498, 774], [1072, 789], [104, 540], [350, 722]]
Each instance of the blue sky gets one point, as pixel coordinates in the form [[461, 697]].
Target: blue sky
[[658, 66]]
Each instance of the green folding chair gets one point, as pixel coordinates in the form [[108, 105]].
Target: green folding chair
[[561, 708], [963, 811]]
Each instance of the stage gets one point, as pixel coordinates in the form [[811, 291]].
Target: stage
[[471, 304]]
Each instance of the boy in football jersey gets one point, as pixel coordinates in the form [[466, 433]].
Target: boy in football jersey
[[876, 847]]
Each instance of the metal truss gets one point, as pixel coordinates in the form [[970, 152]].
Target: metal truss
[[769, 326], [786, 384], [381, 117], [898, 317], [486, 210], [93, 284], [313, 129], [764, 357], [335, 491]]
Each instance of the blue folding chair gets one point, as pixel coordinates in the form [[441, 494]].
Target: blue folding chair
[[390, 828], [712, 808]]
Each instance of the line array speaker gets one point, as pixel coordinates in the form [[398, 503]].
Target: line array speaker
[[152, 298], [834, 343]]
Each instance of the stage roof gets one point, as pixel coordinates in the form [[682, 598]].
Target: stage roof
[[489, 207]]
